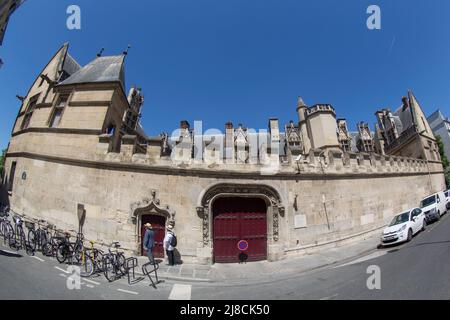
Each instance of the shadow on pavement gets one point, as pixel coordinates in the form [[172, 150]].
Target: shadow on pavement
[[429, 243], [10, 254]]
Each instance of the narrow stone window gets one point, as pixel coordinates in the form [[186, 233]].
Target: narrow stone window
[[11, 176], [29, 113], [58, 111]]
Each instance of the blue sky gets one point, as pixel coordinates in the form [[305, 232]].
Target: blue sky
[[242, 61]]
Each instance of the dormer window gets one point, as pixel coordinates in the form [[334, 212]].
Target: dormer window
[[58, 111]]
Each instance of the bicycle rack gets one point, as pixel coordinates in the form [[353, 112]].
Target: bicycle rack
[[147, 272], [131, 264]]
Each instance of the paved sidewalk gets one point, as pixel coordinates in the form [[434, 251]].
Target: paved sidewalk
[[258, 271]]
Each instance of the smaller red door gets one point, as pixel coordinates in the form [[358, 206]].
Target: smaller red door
[[159, 227]]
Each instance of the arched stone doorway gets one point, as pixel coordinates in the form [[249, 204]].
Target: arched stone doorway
[[151, 211], [274, 210], [238, 219]]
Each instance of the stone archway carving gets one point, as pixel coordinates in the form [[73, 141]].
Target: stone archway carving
[[152, 206], [274, 198], [149, 207]]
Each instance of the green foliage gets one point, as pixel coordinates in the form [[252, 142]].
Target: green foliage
[[447, 180], [444, 158], [2, 162]]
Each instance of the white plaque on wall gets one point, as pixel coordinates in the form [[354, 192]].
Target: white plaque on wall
[[300, 221]]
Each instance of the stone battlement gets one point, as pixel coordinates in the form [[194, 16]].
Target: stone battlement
[[317, 162]]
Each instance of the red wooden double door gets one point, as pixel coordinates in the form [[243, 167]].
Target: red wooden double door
[[159, 227], [237, 219]]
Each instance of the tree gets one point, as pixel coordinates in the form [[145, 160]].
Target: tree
[[2, 162], [444, 158]]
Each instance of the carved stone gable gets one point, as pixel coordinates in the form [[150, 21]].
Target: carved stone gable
[[151, 205]]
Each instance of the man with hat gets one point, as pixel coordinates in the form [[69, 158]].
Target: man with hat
[[149, 241], [168, 245]]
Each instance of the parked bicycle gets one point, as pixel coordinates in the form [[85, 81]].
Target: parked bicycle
[[56, 237], [6, 228], [114, 263], [90, 261], [36, 237], [17, 239], [70, 252]]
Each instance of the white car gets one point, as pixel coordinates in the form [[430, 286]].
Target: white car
[[447, 198], [434, 206], [403, 227]]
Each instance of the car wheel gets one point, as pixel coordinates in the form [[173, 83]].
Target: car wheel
[[438, 216], [410, 235], [424, 225]]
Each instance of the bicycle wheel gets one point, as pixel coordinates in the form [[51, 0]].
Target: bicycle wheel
[[86, 267], [32, 239], [98, 258], [47, 249], [7, 230], [77, 254], [121, 263], [62, 252], [42, 239], [26, 244], [11, 238], [108, 268]]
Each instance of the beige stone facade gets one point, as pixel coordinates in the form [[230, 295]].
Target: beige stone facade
[[314, 191]]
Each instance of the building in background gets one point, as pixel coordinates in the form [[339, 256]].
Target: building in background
[[441, 127], [406, 131], [7, 8]]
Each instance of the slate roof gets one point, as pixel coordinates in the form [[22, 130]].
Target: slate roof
[[70, 65], [101, 69]]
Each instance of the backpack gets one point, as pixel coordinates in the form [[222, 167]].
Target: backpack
[[173, 241]]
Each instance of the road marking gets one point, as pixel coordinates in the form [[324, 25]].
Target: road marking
[[371, 256], [37, 258], [126, 291], [93, 282], [65, 271], [330, 297], [180, 292], [89, 286]]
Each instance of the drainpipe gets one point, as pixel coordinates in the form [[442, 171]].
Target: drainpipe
[[326, 212]]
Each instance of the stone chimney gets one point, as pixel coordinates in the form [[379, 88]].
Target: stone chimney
[[185, 125]]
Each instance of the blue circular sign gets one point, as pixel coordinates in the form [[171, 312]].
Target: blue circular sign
[[243, 245]]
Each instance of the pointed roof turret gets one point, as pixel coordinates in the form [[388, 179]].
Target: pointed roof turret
[[301, 103]]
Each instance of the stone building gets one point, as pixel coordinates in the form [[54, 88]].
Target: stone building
[[77, 143], [7, 8], [441, 127]]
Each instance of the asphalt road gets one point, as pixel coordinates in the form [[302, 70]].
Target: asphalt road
[[416, 270]]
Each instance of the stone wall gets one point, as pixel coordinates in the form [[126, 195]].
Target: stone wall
[[323, 199]]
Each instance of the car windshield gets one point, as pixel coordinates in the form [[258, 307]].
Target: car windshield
[[401, 218], [426, 202]]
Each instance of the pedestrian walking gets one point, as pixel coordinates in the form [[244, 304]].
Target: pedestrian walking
[[170, 244], [149, 242]]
